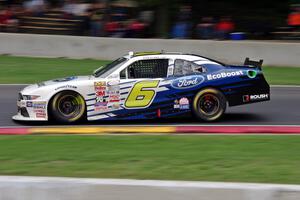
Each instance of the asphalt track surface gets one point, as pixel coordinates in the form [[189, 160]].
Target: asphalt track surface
[[283, 109]]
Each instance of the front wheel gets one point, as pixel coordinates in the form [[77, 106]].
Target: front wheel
[[209, 104], [67, 107]]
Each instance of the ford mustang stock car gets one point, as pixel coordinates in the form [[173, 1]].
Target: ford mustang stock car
[[144, 86]]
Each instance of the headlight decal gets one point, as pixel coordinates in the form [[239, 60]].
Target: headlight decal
[[30, 97]]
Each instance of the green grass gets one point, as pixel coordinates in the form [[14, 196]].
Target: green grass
[[268, 159], [32, 70], [282, 75]]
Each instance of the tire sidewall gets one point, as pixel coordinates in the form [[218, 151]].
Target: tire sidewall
[[222, 107], [55, 113]]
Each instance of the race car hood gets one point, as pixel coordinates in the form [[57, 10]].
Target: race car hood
[[64, 80], [57, 82]]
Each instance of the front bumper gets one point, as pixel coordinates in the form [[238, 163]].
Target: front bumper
[[31, 110], [19, 117]]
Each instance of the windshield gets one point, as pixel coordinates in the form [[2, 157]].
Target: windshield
[[109, 68]]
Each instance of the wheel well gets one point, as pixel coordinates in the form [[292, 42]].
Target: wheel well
[[51, 99], [211, 87]]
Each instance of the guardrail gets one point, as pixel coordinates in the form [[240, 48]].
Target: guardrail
[[37, 188], [273, 53]]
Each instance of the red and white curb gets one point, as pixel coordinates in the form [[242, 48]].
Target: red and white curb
[[245, 130]]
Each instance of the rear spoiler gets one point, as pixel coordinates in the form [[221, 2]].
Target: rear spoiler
[[253, 63]]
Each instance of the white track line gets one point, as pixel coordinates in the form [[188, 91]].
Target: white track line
[[17, 84], [285, 86], [149, 183]]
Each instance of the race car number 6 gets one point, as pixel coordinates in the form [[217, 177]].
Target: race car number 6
[[141, 94]]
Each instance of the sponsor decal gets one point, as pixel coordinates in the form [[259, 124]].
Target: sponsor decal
[[100, 93], [113, 92], [101, 108], [224, 75], [39, 113], [66, 87], [182, 104], [97, 88], [39, 104], [115, 106], [100, 99], [65, 79], [29, 104], [176, 104], [36, 104], [259, 96], [100, 83], [114, 98], [114, 88], [246, 98], [255, 97], [113, 83], [154, 57], [187, 82], [101, 104]]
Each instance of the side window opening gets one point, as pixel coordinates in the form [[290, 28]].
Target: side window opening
[[197, 68], [123, 74], [184, 67], [154, 68]]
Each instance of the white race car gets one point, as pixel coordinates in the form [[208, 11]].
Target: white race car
[[145, 86]]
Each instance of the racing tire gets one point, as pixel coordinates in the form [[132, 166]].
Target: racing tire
[[209, 105], [67, 107]]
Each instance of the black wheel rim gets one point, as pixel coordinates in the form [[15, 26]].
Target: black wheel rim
[[209, 104], [69, 106]]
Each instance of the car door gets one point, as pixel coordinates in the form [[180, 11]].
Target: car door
[[140, 83]]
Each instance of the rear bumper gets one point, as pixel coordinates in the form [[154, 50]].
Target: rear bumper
[[252, 92]]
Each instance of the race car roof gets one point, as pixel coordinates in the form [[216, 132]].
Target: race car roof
[[136, 54]]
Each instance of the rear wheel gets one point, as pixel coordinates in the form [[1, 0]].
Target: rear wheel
[[209, 104], [67, 107]]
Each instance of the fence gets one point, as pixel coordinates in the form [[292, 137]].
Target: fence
[[274, 53]]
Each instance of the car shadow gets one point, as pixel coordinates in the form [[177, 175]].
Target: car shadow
[[228, 119], [247, 118]]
